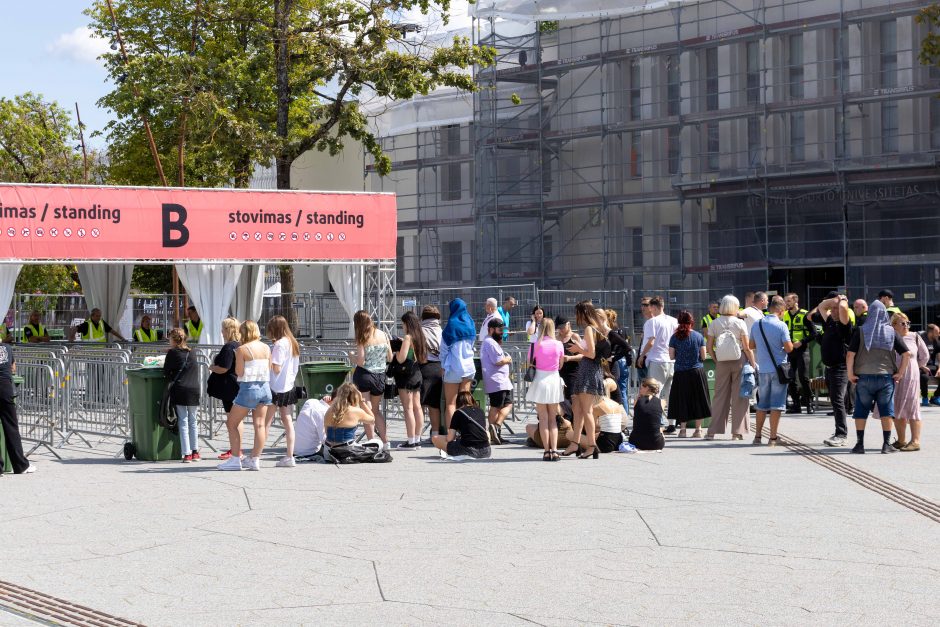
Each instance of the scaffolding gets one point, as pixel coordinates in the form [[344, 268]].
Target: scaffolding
[[696, 147]]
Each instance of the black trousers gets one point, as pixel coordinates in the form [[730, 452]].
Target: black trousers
[[11, 433], [799, 364], [837, 380], [923, 382]]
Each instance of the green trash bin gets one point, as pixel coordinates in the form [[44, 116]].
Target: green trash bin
[[322, 378], [4, 458], [149, 441]]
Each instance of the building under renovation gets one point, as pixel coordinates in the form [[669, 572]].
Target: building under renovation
[[696, 147]]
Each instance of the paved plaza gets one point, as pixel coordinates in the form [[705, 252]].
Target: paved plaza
[[704, 533]]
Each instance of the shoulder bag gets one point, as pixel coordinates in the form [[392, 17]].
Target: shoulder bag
[[529, 376], [783, 370], [167, 417]]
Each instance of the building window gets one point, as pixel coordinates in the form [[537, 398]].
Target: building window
[[635, 111], [633, 238], [840, 61], [452, 262], [451, 184], [674, 245], [712, 146], [795, 66], [935, 123], [548, 252], [673, 88], [889, 53], [889, 127], [711, 79], [753, 72], [841, 136], [797, 137], [400, 259], [753, 141], [636, 155], [673, 149]]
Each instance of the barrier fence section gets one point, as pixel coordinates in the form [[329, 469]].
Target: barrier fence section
[[37, 403]]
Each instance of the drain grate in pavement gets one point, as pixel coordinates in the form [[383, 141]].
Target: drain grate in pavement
[[46, 609], [890, 491]]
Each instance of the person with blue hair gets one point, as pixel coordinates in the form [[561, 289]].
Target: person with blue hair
[[457, 355]]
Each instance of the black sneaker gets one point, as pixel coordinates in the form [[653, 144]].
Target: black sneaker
[[407, 445], [670, 430], [887, 448], [859, 448]]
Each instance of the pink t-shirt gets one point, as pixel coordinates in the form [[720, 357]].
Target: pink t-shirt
[[548, 353]]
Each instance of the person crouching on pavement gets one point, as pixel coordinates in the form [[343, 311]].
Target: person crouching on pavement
[[466, 435]]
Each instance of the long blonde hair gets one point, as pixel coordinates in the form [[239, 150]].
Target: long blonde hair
[[278, 328], [249, 331], [547, 329], [230, 329], [346, 396]]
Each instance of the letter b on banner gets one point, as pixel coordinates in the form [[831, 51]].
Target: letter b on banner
[[175, 233]]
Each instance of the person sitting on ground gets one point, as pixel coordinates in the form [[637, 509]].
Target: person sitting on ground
[[94, 329], [466, 435], [562, 421], [610, 419], [647, 433], [34, 332], [145, 333], [347, 411]]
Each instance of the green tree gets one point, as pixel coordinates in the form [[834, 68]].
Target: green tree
[[930, 46], [38, 280], [37, 142], [230, 83], [152, 279]]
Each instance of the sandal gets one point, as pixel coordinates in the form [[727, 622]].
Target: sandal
[[773, 441], [547, 456], [569, 453], [911, 447], [555, 456], [697, 433]]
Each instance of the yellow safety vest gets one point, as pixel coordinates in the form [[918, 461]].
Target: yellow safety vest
[[95, 334], [145, 336], [795, 324], [40, 332], [193, 331], [707, 319], [893, 309], [3, 331]]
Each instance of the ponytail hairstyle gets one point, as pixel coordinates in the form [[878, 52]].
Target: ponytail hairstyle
[[178, 336], [685, 325]]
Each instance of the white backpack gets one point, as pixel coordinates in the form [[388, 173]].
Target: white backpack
[[727, 346]]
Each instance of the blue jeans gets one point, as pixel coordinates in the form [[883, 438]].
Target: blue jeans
[[872, 389], [623, 380], [186, 416]]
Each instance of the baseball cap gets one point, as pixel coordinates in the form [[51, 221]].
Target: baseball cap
[[832, 294], [887, 293]]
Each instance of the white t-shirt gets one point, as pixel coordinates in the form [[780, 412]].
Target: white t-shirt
[[753, 315], [660, 328], [484, 332], [308, 428], [281, 355]]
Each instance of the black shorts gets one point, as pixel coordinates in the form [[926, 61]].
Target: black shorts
[[432, 384], [500, 399], [284, 399], [369, 382], [410, 381], [227, 405], [455, 448], [608, 442]]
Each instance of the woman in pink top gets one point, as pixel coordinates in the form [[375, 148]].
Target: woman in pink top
[[547, 390]]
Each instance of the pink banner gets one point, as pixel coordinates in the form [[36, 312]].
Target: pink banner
[[72, 222]]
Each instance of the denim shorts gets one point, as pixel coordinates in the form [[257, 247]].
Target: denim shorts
[[771, 394], [253, 393], [453, 376], [874, 389]]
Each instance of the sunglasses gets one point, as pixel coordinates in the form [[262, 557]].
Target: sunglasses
[[905, 324], [644, 304]]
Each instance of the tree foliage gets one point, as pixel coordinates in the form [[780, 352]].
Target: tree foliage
[[930, 46], [38, 143], [152, 279]]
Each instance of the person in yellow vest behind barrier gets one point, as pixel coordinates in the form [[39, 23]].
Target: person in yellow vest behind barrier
[[193, 326], [145, 333], [710, 317], [94, 329], [34, 332], [802, 332], [5, 335]]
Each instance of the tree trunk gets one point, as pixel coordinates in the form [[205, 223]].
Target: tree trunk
[[283, 159]]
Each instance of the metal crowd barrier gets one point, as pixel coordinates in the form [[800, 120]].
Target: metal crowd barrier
[[38, 405], [96, 396]]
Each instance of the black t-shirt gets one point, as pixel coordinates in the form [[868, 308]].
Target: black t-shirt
[[7, 390], [470, 425], [835, 339], [647, 416], [933, 348], [186, 390], [855, 344]]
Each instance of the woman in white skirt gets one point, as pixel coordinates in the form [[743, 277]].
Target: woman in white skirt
[[547, 389]]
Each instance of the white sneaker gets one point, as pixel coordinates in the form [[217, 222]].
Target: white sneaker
[[30, 470], [834, 440], [232, 463], [285, 462], [250, 463]]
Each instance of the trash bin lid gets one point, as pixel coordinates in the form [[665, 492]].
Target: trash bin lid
[[324, 366]]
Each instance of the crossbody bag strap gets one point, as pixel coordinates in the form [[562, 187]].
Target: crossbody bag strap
[[532, 352], [766, 343]]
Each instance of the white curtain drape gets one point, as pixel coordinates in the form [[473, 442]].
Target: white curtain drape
[[248, 301], [210, 287], [8, 274], [347, 282], [106, 287]]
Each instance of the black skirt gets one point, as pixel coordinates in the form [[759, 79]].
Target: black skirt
[[688, 398], [432, 382]]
